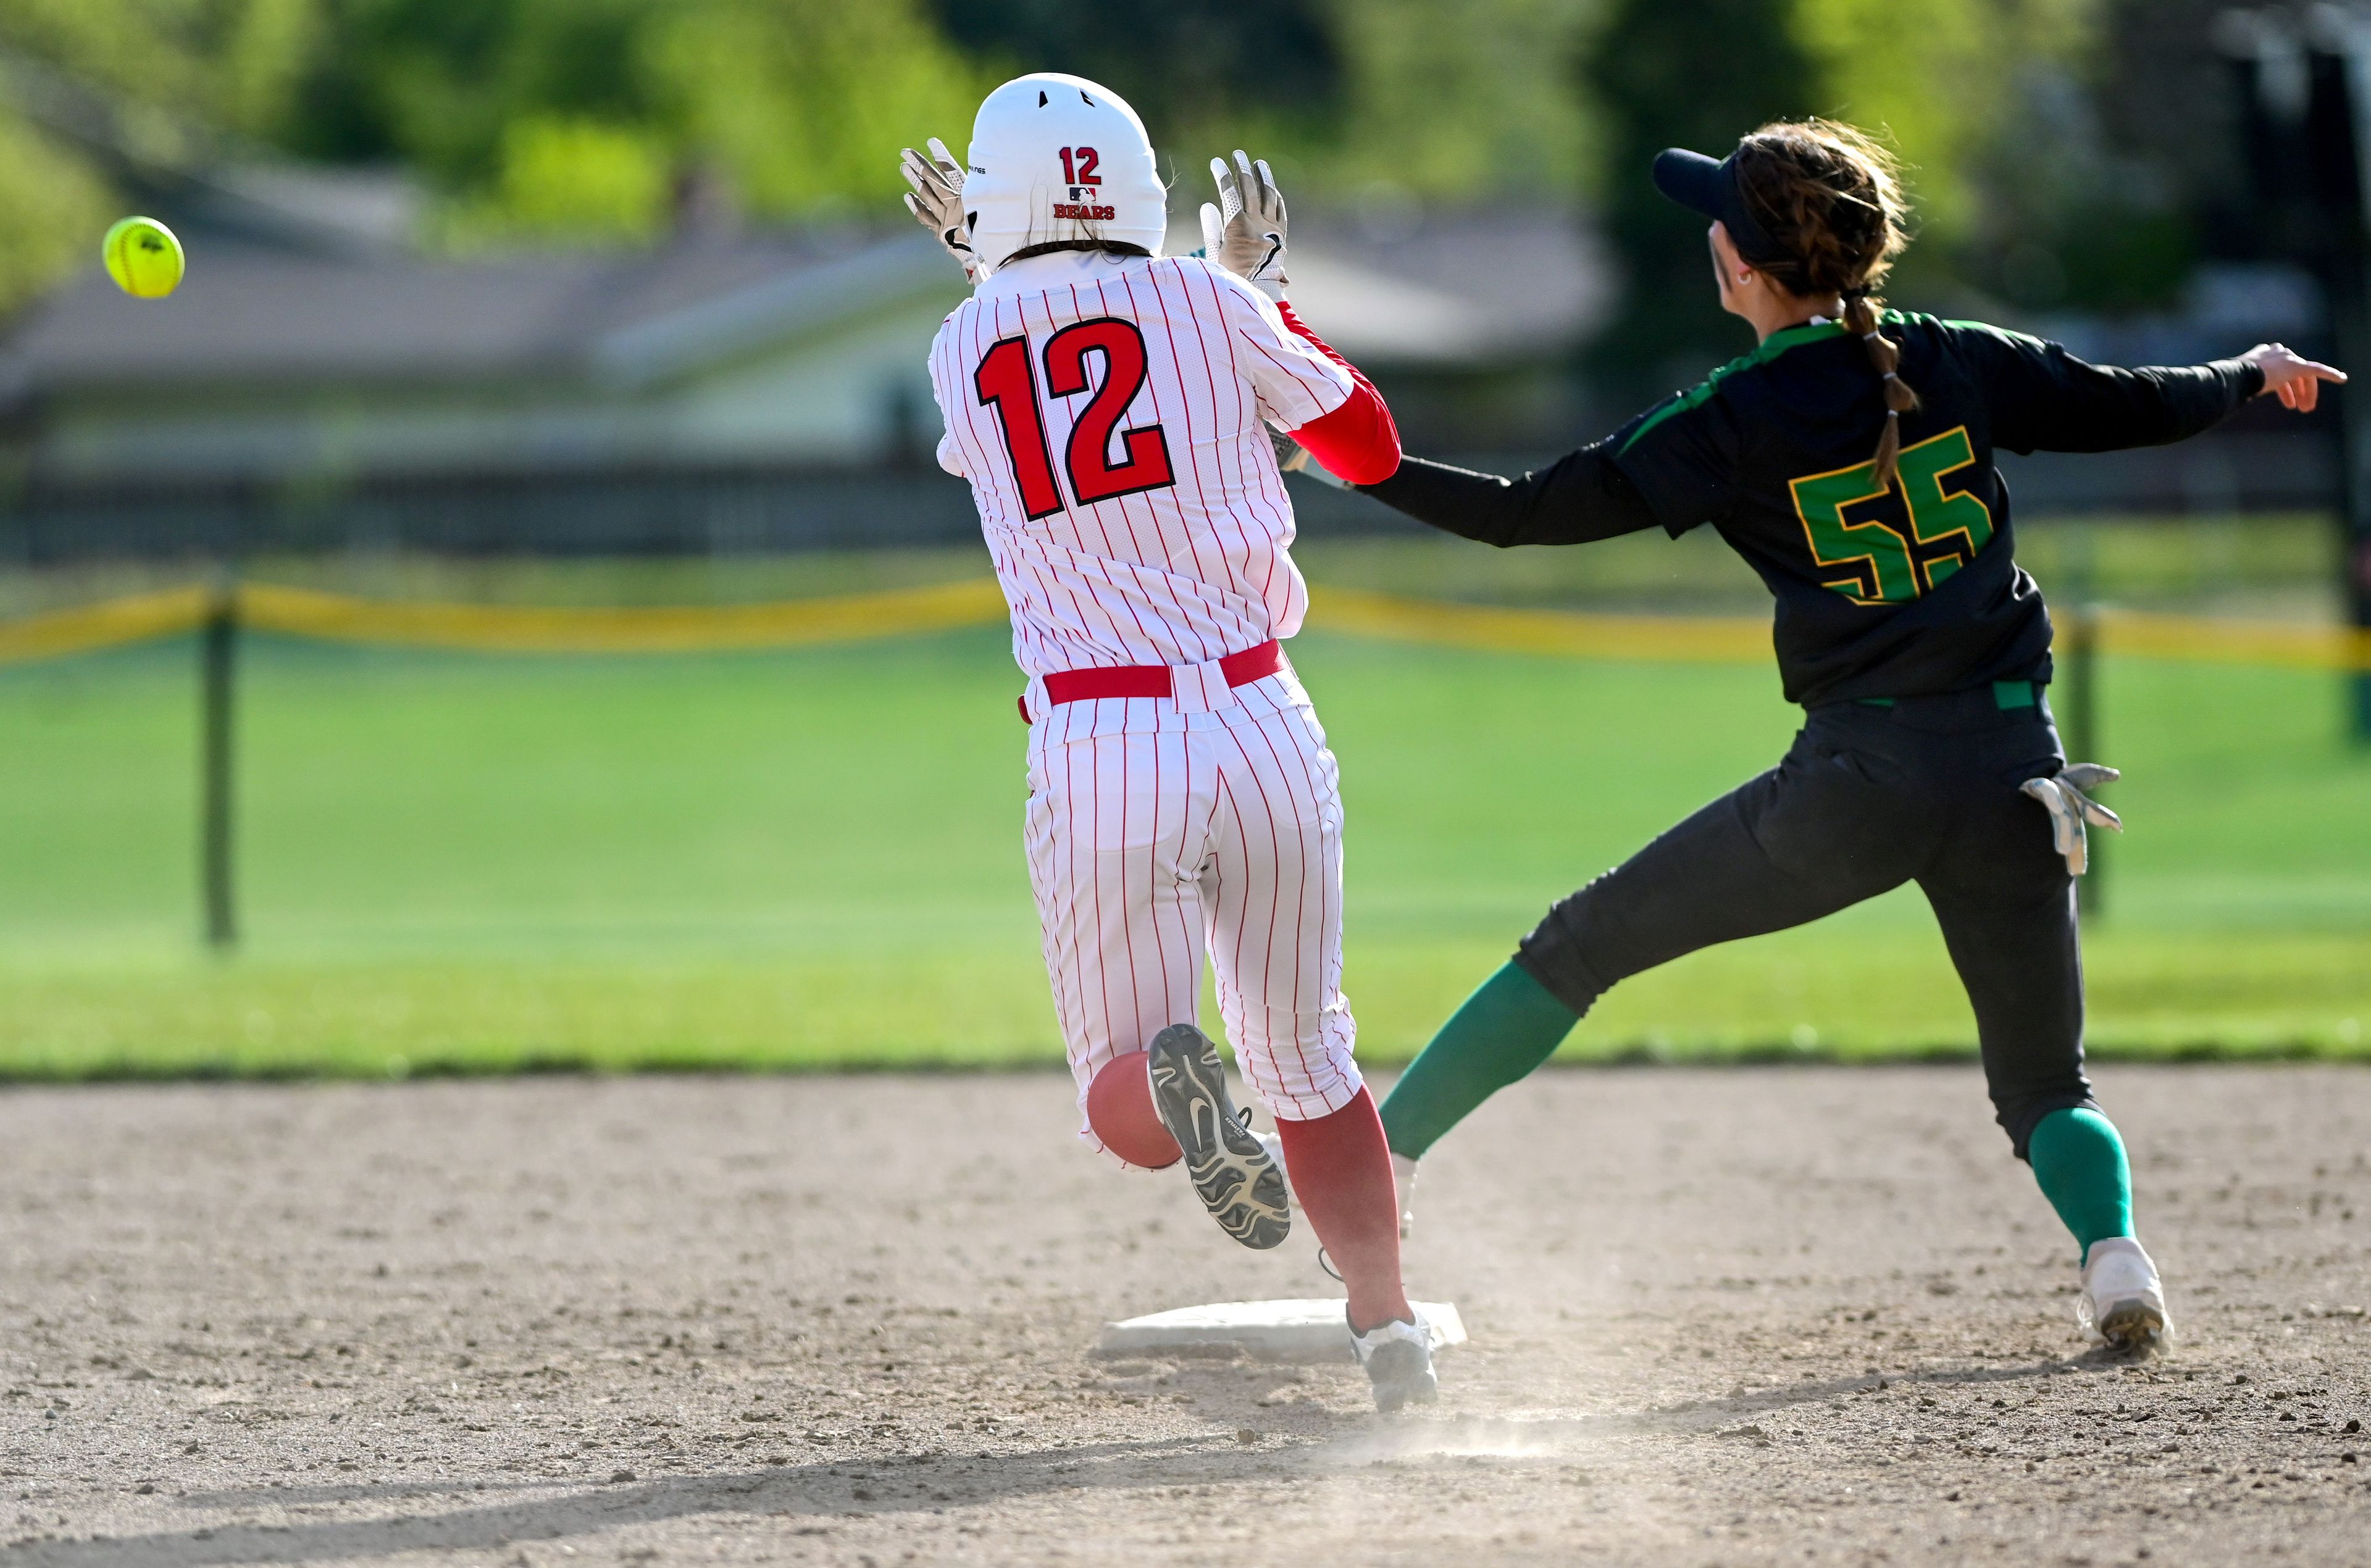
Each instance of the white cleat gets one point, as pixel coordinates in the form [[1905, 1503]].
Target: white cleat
[[2122, 1302], [1404, 1180], [1398, 1360]]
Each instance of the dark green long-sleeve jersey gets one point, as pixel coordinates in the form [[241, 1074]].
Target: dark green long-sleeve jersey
[[1904, 592]]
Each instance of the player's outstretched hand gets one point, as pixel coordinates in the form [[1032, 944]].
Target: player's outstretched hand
[[2293, 379], [1244, 233], [937, 202]]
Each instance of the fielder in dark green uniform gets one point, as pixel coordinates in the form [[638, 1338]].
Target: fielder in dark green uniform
[[1849, 458]]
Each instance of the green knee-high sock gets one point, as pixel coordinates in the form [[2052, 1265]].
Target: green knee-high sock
[[1505, 1029], [2080, 1162]]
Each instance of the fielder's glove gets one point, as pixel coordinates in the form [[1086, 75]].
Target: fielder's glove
[[937, 204], [1244, 233], [2063, 797]]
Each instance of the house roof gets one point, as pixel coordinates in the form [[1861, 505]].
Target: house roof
[[1464, 288], [249, 314], [1458, 290]]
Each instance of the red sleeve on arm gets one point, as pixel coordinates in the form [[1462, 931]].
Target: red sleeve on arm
[[1357, 442]]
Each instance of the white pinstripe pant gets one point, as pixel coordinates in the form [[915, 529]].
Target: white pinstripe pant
[[1209, 832]]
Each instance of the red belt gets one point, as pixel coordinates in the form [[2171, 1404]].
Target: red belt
[[1154, 680]]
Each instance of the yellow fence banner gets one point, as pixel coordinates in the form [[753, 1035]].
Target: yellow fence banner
[[1739, 640], [524, 628], [696, 628], [1722, 640], [111, 623], [2233, 641]]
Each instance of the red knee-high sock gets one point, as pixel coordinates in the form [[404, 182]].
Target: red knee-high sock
[[1120, 1108], [1341, 1168]]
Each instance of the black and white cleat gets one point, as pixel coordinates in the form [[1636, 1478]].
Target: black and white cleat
[[1238, 1181]]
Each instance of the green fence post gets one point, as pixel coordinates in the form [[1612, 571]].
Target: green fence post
[[217, 674]]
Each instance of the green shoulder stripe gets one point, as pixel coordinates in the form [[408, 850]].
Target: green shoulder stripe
[[1770, 348], [2014, 340]]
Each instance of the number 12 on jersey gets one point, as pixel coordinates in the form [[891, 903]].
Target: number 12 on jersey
[[1006, 382]]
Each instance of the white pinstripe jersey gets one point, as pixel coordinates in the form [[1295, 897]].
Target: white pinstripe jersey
[[1109, 415]]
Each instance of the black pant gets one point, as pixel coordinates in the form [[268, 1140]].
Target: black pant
[[1869, 798]]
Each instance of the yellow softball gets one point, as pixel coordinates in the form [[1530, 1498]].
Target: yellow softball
[[143, 257]]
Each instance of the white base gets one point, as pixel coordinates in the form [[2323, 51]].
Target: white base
[[1307, 1330]]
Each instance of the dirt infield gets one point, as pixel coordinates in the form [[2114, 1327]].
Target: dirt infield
[[850, 1321]]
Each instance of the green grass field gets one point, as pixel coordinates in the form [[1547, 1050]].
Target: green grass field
[[457, 862]]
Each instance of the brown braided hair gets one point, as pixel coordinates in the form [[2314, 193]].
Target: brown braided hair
[[1830, 197]]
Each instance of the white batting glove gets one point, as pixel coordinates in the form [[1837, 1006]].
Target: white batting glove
[[937, 204], [2063, 797], [1244, 233]]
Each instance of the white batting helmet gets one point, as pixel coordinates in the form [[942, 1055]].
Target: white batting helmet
[[1056, 157]]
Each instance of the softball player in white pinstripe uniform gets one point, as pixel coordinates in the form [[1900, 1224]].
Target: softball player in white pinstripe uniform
[[1111, 409]]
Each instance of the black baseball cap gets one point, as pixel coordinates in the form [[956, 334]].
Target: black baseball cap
[[1710, 187]]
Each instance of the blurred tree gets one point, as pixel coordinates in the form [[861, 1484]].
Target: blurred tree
[[2060, 150], [1985, 101], [805, 103], [1200, 72], [2164, 96], [1691, 75], [2036, 174], [145, 48], [262, 52], [233, 64], [2065, 219], [174, 70], [1438, 98], [1945, 87], [569, 182], [1459, 101], [573, 120], [57, 208], [2122, 168], [437, 85]]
